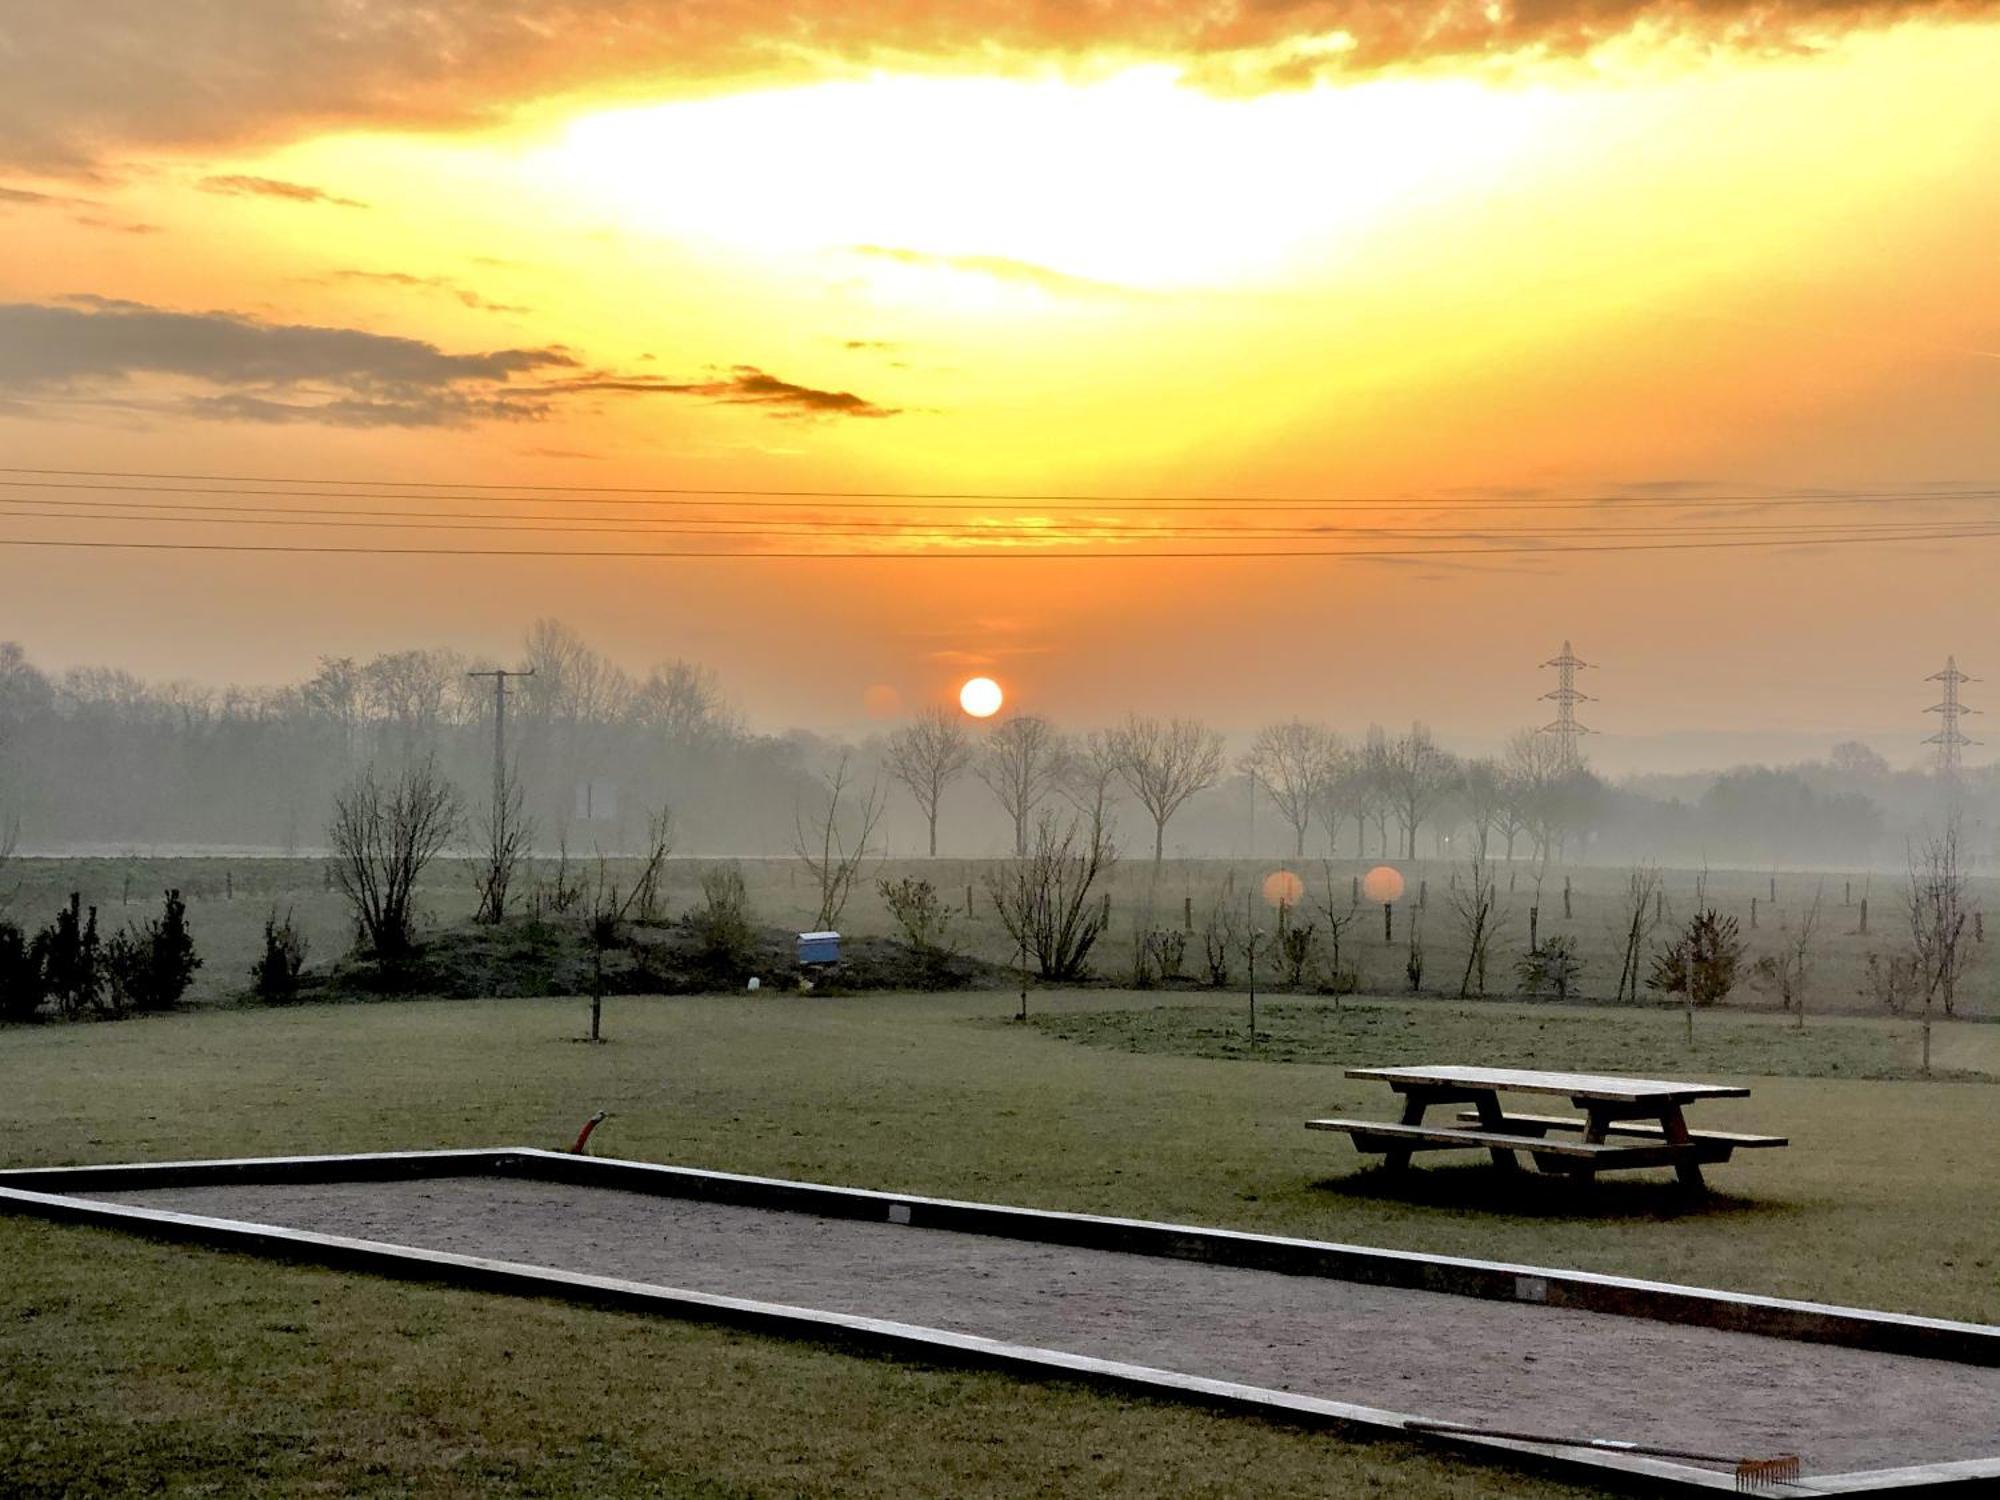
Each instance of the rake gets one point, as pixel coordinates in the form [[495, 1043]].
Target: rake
[[1753, 1475]]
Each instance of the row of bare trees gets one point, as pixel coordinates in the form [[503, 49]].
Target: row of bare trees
[[1025, 761], [1311, 774], [1314, 776]]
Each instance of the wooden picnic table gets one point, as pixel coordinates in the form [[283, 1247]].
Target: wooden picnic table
[[1645, 1114]]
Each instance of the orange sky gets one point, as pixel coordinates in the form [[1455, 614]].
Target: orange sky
[[1309, 252]]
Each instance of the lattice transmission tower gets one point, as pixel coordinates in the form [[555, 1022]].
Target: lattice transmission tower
[[1950, 739], [1566, 696]]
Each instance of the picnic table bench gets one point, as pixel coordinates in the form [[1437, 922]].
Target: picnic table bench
[[1644, 1114]]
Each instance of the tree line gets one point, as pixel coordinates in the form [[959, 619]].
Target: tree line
[[99, 757]]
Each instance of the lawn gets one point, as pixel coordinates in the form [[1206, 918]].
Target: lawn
[[1385, 1034], [136, 1367]]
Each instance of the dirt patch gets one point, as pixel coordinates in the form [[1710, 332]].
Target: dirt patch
[[1452, 1358]]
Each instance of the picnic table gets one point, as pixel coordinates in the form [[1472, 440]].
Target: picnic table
[[1626, 1122]]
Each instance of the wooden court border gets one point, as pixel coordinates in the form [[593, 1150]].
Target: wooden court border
[[62, 1194]]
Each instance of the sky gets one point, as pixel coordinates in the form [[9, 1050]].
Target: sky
[[1339, 359]]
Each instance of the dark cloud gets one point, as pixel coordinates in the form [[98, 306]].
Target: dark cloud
[[227, 367], [81, 82], [745, 385], [272, 187], [248, 370]]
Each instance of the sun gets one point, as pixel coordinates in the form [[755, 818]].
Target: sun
[[981, 697]]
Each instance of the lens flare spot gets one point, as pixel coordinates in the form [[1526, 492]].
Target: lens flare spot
[[1384, 883], [1283, 888], [981, 697]]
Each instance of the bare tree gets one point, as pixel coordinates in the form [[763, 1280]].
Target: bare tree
[[1292, 762], [927, 756], [1021, 763], [383, 836], [1475, 902], [506, 834], [1936, 903], [1789, 969], [1165, 763], [1418, 774], [1637, 918], [836, 849], [1339, 910], [609, 911], [1089, 775], [1045, 900], [1339, 796], [1533, 770], [1484, 791]]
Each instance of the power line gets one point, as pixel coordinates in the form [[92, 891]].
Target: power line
[[163, 483], [1001, 555], [170, 513]]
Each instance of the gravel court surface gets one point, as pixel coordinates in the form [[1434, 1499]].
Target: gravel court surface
[[1456, 1359]]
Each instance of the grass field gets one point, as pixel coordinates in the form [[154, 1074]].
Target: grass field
[[136, 1367], [228, 900]]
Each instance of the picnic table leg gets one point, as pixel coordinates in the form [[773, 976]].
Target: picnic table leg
[[1415, 1102], [1687, 1168], [1492, 1118]]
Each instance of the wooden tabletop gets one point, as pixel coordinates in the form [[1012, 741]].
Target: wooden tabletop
[[1569, 1085]]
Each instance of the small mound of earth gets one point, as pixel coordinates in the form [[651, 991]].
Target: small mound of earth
[[553, 956]]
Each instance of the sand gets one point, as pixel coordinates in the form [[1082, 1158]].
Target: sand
[[1451, 1358]]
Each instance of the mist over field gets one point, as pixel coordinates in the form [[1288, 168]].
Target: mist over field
[[99, 761]]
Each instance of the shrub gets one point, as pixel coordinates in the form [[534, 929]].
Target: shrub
[[151, 968], [1045, 900], [70, 957], [1220, 933], [923, 916], [1168, 946], [275, 975], [1553, 970], [22, 988], [1143, 972], [1297, 946], [383, 834], [724, 940], [1890, 981], [1337, 981], [1701, 962]]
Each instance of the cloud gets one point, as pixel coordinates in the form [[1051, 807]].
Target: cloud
[[28, 199], [744, 385], [80, 210], [224, 366], [999, 268], [461, 294], [82, 82], [272, 187]]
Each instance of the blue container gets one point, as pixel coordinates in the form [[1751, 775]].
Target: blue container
[[819, 947]]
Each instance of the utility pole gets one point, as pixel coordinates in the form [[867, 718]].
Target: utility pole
[[500, 676], [1949, 739], [1566, 697]]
